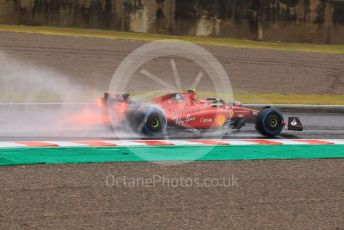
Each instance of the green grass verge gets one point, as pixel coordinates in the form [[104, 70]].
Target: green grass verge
[[19, 156], [276, 98], [227, 42]]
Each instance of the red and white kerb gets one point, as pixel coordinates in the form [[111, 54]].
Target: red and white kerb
[[195, 142]]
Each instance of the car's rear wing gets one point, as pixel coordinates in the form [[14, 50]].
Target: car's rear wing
[[116, 97]]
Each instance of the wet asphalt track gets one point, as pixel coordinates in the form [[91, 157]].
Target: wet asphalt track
[[68, 122]]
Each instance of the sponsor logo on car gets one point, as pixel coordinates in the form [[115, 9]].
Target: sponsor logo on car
[[220, 120], [206, 120], [180, 121]]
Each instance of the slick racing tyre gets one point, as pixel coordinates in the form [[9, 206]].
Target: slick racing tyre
[[148, 121], [269, 122]]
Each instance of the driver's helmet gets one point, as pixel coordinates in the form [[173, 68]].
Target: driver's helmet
[[192, 93]]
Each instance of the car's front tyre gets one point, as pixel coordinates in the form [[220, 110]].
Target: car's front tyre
[[269, 122]]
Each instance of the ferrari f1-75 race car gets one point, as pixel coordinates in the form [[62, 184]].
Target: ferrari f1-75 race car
[[184, 110]]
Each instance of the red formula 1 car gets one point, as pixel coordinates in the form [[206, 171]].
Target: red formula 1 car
[[185, 110]]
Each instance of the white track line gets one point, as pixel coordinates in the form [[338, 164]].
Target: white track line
[[6, 144], [184, 142], [290, 142], [238, 142], [123, 142], [334, 141], [66, 143]]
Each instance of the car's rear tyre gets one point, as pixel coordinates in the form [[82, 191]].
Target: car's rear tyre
[[269, 122], [149, 121]]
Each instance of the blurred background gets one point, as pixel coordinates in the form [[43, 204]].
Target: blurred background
[[315, 21]]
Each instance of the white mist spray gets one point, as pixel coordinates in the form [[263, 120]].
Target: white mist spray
[[23, 88]]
